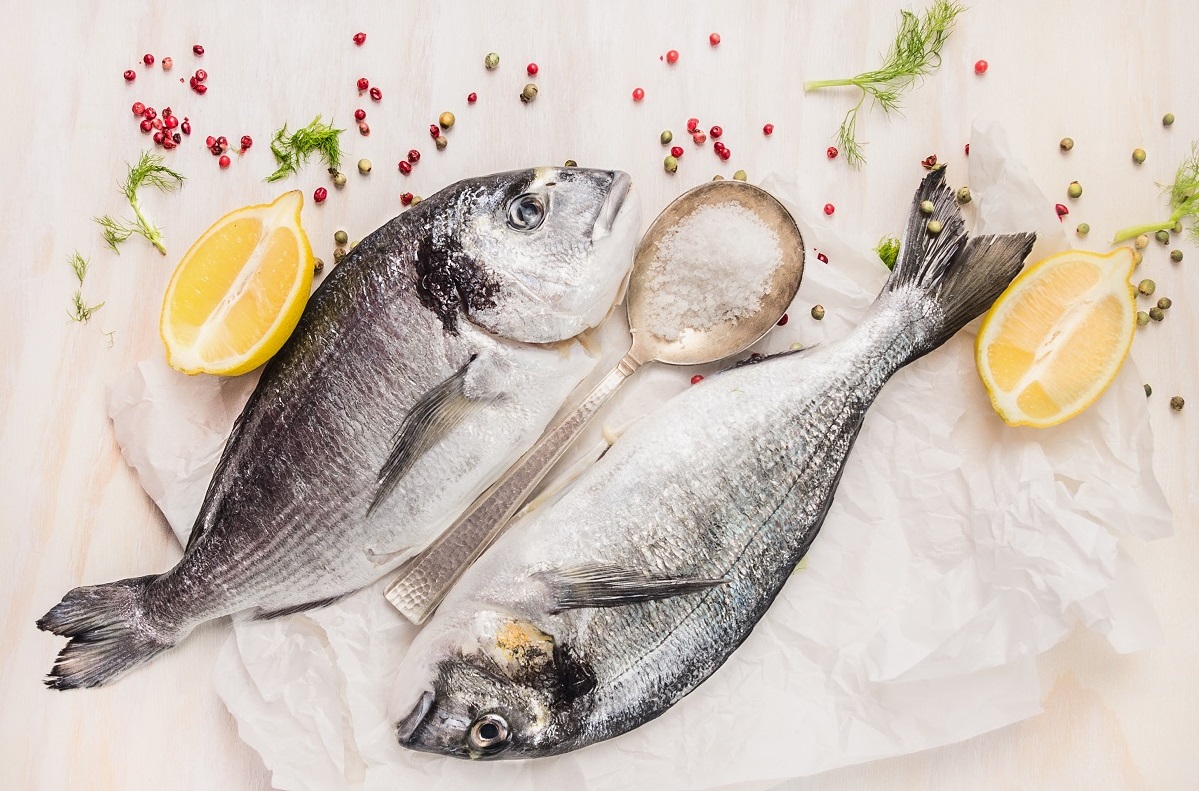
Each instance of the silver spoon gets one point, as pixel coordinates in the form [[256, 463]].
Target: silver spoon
[[424, 580]]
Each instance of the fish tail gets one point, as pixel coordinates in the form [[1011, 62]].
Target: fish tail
[[945, 278], [108, 630]]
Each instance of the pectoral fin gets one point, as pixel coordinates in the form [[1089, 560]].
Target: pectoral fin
[[430, 419], [614, 586]]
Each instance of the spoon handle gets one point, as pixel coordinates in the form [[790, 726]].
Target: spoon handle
[[424, 580]]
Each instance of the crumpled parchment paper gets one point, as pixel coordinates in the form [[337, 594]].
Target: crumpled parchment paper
[[957, 549]]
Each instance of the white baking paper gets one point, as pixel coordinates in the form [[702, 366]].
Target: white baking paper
[[956, 551]]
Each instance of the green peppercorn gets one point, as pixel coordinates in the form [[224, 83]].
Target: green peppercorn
[[927, 207], [570, 163], [1074, 190], [740, 175], [1162, 236], [1141, 242], [338, 254], [934, 227], [796, 346], [364, 166], [441, 142], [446, 120], [818, 312], [317, 266], [1146, 287], [529, 93], [1168, 119], [1176, 228], [340, 238], [354, 243], [1164, 303], [666, 137], [339, 179], [1148, 390], [1176, 403], [1137, 258], [1156, 313], [1176, 256], [670, 164], [415, 200], [1066, 144], [1142, 318], [1083, 229], [963, 195], [1138, 155], [492, 60], [718, 177]]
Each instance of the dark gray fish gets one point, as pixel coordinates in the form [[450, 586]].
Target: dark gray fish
[[423, 366], [602, 611]]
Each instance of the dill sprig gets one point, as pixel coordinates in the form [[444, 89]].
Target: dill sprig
[[78, 265], [915, 53], [149, 171], [80, 311], [888, 250], [1184, 201], [292, 150]]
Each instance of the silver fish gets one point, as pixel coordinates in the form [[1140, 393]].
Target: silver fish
[[600, 612], [423, 366]]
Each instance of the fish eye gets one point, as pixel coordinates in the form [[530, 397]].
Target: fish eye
[[489, 733], [526, 212]]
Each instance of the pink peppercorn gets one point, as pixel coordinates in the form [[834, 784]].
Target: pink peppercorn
[[768, 130], [224, 162], [696, 379], [130, 75], [405, 167], [360, 114], [829, 209], [376, 94], [472, 97], [676, 151], [638, 94], [319, 194], [360, 38], [148, 59], [832, 152], [714, 39]]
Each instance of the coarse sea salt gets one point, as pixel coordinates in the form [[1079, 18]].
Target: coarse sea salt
[[714, 266]]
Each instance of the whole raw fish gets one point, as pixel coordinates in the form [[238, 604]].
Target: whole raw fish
[[423, 366], [600, 612]]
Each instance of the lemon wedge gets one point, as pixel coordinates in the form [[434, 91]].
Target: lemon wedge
[[1055, 339], [239, 291]]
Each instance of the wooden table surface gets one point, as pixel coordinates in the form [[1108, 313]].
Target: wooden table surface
[[1101, 72]]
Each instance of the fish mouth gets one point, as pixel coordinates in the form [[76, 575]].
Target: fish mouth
[[621, 184]]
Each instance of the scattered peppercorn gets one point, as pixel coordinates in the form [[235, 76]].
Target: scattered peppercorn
[[670, 163], [696, 379], [360, 114], [1176, 256], [1141, 242], [929, 162], [338, 254], [441, 143], [317, 266], [405, 167], [718, 177], [201, 75], [638, 94], [980, 67], [783, 321], [666, 137], [364, 128], [672, 57], [963, 195], [197, 50], [829, 209], [1142, 318], [354, 243], [319, 194], [528, 93], [831, 152], [1176, 228], [822, 258], [340, 238], [1156, 313], [224, 162], [1138, 155], [492, 60], [1164, 303], [1148, 390], [768, 129], [201, 89], [148, 59], [725, 153], [740, 175], [934, 227], [531, 69], [413, 156], [927, 207], [168, 63], [1066, 144], [966, 149], [434, 131], [246, 142], [339, 179], [416, 199], [570, 163], [676, 151], [818, 312], [360, 38], [1061, 210], [405, 198], [1176, 403], [715, 132], [1137, 258], [692, 124], [698, 138], [1168, 119], [1162, 237], [1146, 287], [130, 75], [1083, 229], [364, 166], [1074, 190], [376, 94], [714, 39], [363, 84], [472, 97]]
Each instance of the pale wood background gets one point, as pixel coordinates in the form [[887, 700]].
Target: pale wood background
[[1101, 72]]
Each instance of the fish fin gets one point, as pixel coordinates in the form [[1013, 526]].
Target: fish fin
[[109, 633], [433, 416], [598, 585], [266, 615], [961, 277]]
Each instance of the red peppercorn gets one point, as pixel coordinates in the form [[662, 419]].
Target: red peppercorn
[[434, 131], [223, 142], [215, 148], [638, 94], [139, 108], [532, 69], [822, 258], [168, 64], [1061, 210], [246, 142], [224, 162], [376, 94], [782, 322], [198, 50], [768, 130], [360, 38], [193, 82], [177, 138], [186, 126], [201, 89], [692, 124], [146, 125], [672, 57], [166, 112], [715, 132], [829, 209], [168, 143], [725, 153], [472, 97], [210, 141], [698, 138], [413, 156], [405, 198], [405, 167], [158, 138], [363, 84], [360, 114], [929, 161], [157, 122], [151, 113], [676, 151], [718, 146], [967, 149], [201, 75], [170, 122], [980, 67], [130, 75], [364, 128], [319, 194], [696, 379], [714, 39], [148, 59], [832, 152]]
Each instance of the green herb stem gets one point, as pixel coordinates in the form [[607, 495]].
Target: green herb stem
[[292, 150], [1134, 231], [1183, 200], [149, 171]]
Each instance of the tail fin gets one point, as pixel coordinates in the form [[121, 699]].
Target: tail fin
[[961, 277], [109, 633]]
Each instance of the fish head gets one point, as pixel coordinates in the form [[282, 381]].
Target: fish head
[[549, 249], [496, 686]]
